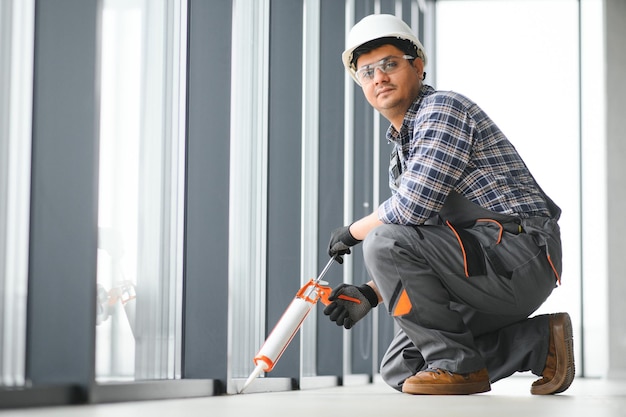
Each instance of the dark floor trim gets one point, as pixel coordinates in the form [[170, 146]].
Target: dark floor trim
[[40, 397], [50, 396], [152, 390]]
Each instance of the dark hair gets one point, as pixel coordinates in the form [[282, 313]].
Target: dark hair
[[406, 46]]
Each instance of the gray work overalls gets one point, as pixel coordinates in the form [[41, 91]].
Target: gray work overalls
[[461, 290]]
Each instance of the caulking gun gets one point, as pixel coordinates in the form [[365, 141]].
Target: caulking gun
[[290, 322]]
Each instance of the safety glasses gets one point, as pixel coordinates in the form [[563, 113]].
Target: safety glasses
[[387, 65]]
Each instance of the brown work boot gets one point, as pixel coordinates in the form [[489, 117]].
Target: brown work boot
[[442, 382], [558, 373]]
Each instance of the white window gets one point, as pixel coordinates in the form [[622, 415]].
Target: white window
[[141, 185], [520, 61]]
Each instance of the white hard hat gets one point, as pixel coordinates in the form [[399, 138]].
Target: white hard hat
[[377, 26]]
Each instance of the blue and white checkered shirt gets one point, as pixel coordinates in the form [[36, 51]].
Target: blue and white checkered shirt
[[446, 143]]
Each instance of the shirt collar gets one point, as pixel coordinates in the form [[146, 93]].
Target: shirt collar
[[396, 136]]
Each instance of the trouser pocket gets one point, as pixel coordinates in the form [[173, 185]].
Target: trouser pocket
[[472, 251]]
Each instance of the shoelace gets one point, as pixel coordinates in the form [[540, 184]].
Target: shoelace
[[438, 371]]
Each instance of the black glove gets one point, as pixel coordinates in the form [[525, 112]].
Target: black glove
[[350, 304], [340, 242]]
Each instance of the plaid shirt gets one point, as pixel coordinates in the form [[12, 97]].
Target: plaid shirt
[[446, 143]]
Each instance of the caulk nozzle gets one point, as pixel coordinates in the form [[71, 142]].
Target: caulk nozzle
[[257, 371]]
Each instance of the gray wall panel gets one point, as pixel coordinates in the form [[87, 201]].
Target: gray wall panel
[[332, 73], [284, 161], [362, 200], [63, 229], [206, 231]]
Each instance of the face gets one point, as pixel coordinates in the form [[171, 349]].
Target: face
[[392, 94]]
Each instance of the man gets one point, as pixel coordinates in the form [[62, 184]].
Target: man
[[467, 246]]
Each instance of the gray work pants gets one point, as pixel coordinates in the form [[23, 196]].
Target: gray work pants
[[462, 302]]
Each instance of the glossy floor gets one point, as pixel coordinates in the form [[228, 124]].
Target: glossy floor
[[508, 398]]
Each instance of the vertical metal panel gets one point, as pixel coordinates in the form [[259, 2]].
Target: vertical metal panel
[[309, 171], [331, 158], [387, 6], [361, 341], [206, 238], [284, 177], [63, 234], [405, 9]]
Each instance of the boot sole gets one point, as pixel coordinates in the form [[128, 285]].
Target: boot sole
[[562, 380], [447, 389]]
